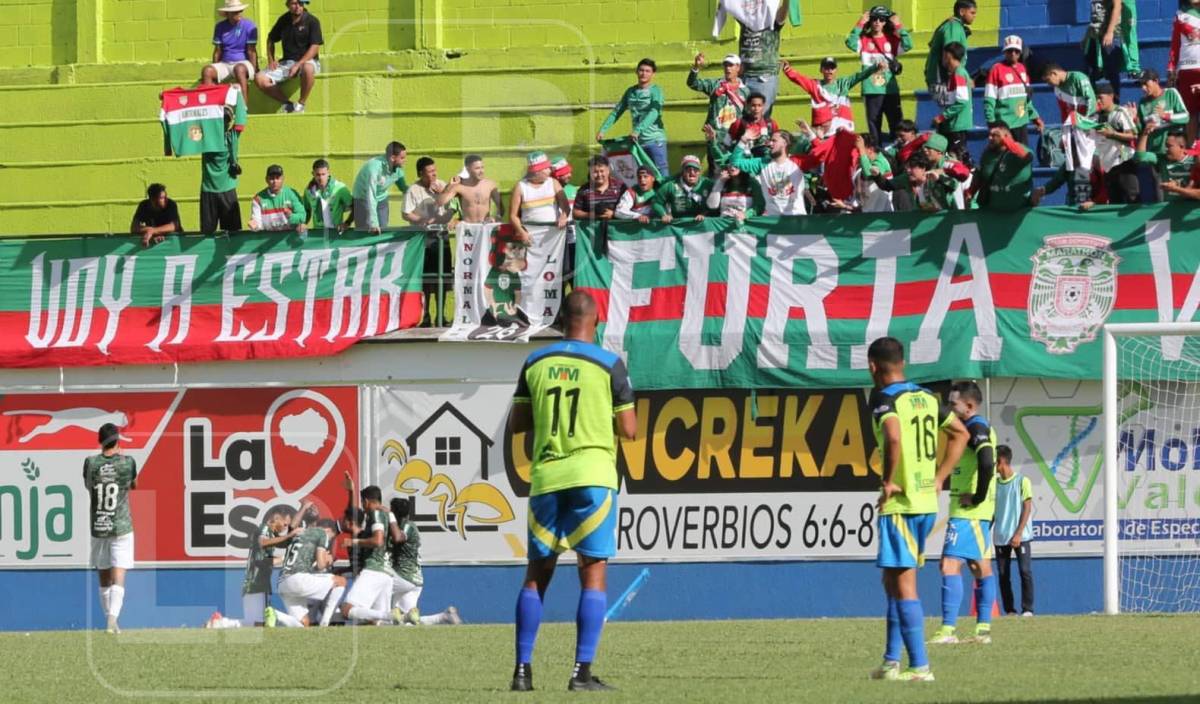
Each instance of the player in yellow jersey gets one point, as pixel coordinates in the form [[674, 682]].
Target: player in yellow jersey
[[573, 396], [972, 506], [907, 420]]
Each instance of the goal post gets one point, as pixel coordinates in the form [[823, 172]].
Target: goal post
[[1158, 364]]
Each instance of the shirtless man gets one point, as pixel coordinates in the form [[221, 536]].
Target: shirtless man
[[476, 194]]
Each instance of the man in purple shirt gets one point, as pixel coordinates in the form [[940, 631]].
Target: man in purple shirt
[[234, 52]]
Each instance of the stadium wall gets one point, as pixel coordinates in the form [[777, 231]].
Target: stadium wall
[[166, 595], [170, 598]]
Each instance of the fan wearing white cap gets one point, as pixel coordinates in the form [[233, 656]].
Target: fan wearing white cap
[[685, 196], [1007, 98], [235, 48], [727, 97]]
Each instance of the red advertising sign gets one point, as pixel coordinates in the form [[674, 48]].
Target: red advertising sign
[[211, 463]]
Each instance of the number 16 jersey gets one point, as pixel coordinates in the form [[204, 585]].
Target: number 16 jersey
[[575, 389], [922, 416]]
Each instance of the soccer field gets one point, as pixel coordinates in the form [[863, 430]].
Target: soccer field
[[1129, 658]]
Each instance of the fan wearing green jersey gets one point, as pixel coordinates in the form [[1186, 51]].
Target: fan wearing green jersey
[[408, 580], [369, 598], [109, 477], [568, 395], [274, 532], [969, 531], [304, 580], [907, 420]]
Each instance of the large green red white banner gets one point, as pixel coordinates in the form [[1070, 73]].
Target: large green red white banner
[[785, 302], [92, 300]]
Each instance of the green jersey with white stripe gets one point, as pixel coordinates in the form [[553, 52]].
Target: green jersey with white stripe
[[378, 558]]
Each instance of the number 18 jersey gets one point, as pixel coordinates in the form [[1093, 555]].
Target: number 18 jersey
[[575, 389], [108, 479], [921, 416]]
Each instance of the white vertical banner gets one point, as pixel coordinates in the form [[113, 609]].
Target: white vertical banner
[[505, 290]]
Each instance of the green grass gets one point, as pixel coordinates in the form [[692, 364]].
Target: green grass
[[1130, 658]]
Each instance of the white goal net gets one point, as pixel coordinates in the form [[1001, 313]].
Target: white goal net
[[1152, 402]]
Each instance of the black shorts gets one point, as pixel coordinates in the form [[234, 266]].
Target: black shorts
[[220, 210]]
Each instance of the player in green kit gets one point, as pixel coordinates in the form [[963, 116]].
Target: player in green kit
[[969, 532], [907, 420], [568, 395], [274, 532], [303, 579], [370, 597], [109, 477], [409, 582]]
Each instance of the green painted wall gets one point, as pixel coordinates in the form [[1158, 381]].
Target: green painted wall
[[498, 77]]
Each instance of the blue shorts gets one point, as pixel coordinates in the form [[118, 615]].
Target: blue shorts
[[583, 519], [968, 539], [902, 539]]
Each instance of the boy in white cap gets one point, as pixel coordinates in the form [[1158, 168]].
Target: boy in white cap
[[537, 199], [726, 97], [1006, 97], [235, 52]]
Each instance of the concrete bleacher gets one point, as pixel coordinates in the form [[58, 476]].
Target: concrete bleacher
[[79, 86]]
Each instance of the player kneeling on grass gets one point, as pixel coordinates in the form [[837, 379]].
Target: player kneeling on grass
[[109, 477], [274, 532], [304, 579], [907, 419], [408, 581], [369, 596], [972, 505], [568, 395]]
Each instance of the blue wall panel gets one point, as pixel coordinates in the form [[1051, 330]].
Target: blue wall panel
[[165, 598]]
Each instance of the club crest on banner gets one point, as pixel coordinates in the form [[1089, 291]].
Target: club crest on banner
[[1073, 290]]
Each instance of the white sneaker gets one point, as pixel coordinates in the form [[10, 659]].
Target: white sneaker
[[452, 617], [1027, 614], [297, 108], [112, 626]]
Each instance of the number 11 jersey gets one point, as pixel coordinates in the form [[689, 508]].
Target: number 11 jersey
[[575, 389]]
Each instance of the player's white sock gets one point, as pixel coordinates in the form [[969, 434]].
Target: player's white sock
[[104, 599], [362, 613], [287, 620], [434, 619], [116, 599], [331, 604]]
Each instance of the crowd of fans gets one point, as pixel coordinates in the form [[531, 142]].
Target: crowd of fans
[[752, 166]]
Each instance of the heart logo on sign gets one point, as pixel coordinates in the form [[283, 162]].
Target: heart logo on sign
[[306, 435]]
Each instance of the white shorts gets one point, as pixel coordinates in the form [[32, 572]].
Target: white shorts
[[280, 73], [298, 589], [113, 552], [253, 606], [225, 70], [370, 588], [405, 594]]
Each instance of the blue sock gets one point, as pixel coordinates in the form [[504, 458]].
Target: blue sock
[[529, 617], [895, 640], [952, 593], [589, 622], [985, 597], [912, 628]]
